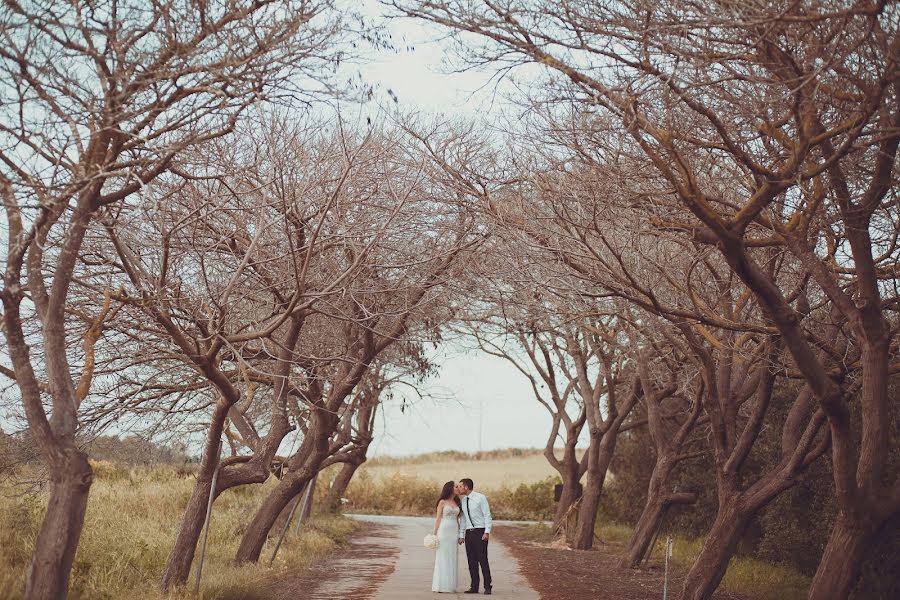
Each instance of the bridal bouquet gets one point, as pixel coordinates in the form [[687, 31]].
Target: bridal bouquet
[[431, 541]]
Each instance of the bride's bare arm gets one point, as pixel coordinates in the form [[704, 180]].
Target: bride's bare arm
[[438, 516]]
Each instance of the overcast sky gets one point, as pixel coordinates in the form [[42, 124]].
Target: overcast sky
[[477, 402], [480, 402]]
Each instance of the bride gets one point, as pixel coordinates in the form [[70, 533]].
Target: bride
[[446, 528]]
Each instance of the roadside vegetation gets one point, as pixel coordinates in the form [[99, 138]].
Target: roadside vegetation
[[130, 529]]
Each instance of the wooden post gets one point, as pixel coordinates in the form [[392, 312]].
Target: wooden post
[[209, 503]]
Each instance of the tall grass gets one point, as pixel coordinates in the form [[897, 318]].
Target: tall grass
[[746, 576], [455, 455], [130, 527], [490, 470], [402, 494]]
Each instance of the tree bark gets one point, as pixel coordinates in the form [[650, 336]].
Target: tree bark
[[840, 565], [648, 523], [258, 530], [303, 467], [598, 466], [708, 570], [644, 529], [57, 541], [340, 484], [570, 474], [178, 566]]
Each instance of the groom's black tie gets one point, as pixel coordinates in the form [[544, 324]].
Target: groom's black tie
[[468, 513]]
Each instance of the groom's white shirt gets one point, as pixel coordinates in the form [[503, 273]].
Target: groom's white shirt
[[476, 513]]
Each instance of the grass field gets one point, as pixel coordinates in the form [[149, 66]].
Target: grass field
[[129, 529], [487, 473]]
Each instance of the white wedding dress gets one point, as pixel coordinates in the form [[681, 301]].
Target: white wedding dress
[[446, 555]]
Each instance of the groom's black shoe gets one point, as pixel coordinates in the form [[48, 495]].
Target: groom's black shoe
[[471, 591], [487, 591]]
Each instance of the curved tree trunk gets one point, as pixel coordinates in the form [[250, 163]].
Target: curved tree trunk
[[839, 568], [651, 516], [258, 530], [648, 523], [708, 570], [303, 466], [339, 485], [644, 529], [57, 541], [654, 509]]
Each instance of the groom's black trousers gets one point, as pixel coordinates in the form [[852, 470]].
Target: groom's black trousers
[[477, 553]]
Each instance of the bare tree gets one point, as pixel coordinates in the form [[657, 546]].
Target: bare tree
[[670, 430], [371, 325], [402, 364], [535, 344], [97, 101], [253, 247], [795, 106]]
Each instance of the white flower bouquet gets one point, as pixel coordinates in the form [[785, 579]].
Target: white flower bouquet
[[431, 541]]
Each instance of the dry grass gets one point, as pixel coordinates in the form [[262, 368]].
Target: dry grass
[[488, 473], [746, 576], [130, 527]]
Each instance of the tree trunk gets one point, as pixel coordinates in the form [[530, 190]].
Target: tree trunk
[[839, 568], [257, 532], [57, 541], [708, 569], [303, 466], [178, 566], [651, 515], [571, 476], [598, 466], [339, 486], [644, 529]]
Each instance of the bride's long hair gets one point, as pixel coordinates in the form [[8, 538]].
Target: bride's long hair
[[447, 493]]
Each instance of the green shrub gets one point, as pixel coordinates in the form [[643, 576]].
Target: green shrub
[[532, 501]]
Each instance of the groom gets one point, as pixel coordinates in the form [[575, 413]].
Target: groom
[[475, 531]]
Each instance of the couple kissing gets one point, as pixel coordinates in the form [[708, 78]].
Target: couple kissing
[[463, 517]]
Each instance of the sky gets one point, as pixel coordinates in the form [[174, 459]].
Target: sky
[[418, 71], [477, 401]]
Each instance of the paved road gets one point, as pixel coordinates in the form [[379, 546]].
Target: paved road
[[413, 564]]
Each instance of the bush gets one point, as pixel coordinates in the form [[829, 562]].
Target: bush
[[532, 502]]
